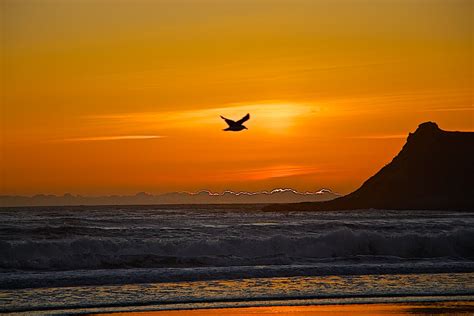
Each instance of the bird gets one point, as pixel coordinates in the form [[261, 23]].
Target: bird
[[236, 126]]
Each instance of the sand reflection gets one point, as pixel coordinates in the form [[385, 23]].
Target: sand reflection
[[432, 308]]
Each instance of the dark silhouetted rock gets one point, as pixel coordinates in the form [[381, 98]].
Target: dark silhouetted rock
[[433, 171]]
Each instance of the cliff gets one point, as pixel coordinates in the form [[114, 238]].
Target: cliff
[[433, 171]]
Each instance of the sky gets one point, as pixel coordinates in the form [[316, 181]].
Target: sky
[[116, 97]]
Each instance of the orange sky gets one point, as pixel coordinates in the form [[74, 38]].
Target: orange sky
[[102, 97]]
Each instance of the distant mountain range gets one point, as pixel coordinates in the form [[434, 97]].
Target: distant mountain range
[[202, 197], [433, 171]]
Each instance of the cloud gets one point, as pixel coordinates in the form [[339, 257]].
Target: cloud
[[452, 109], [284, 195], [396, 136], [271, 172], [111, 138], [270, 116]]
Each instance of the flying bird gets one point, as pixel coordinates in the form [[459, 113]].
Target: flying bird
[[236, 126]]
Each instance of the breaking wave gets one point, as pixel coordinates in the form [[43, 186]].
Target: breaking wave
[[345, 243]]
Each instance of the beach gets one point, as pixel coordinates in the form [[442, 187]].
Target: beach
[[98, 259], [432, 308]]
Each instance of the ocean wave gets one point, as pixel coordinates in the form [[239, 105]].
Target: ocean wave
[[45, 279], [106, 253]]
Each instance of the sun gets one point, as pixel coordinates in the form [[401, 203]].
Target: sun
[[270, 117]]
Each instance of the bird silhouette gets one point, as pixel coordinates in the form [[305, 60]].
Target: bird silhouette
[[236, 126]]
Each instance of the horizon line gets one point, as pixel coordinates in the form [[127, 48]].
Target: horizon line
[[209, 192]]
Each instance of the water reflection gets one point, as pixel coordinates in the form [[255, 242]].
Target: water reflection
[[367, 287]]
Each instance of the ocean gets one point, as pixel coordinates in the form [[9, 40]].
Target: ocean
[[83, 259]]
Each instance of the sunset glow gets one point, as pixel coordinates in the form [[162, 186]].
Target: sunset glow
[[131, 102]]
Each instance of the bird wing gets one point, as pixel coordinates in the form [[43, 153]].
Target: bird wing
[[244, 119], [229, 122]]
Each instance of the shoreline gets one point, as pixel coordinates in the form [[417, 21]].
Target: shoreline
[[332, 290], [40, 279]]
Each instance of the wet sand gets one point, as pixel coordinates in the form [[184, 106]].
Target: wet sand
[[402, 309]]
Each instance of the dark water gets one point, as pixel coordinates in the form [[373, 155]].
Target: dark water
[[96, 256]]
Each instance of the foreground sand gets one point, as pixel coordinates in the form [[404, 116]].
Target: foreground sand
[[432, 308]]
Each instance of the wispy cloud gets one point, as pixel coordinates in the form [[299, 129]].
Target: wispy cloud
[[452, 109], [396, 136], [111, 138], [269, 115], [270, 172]]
